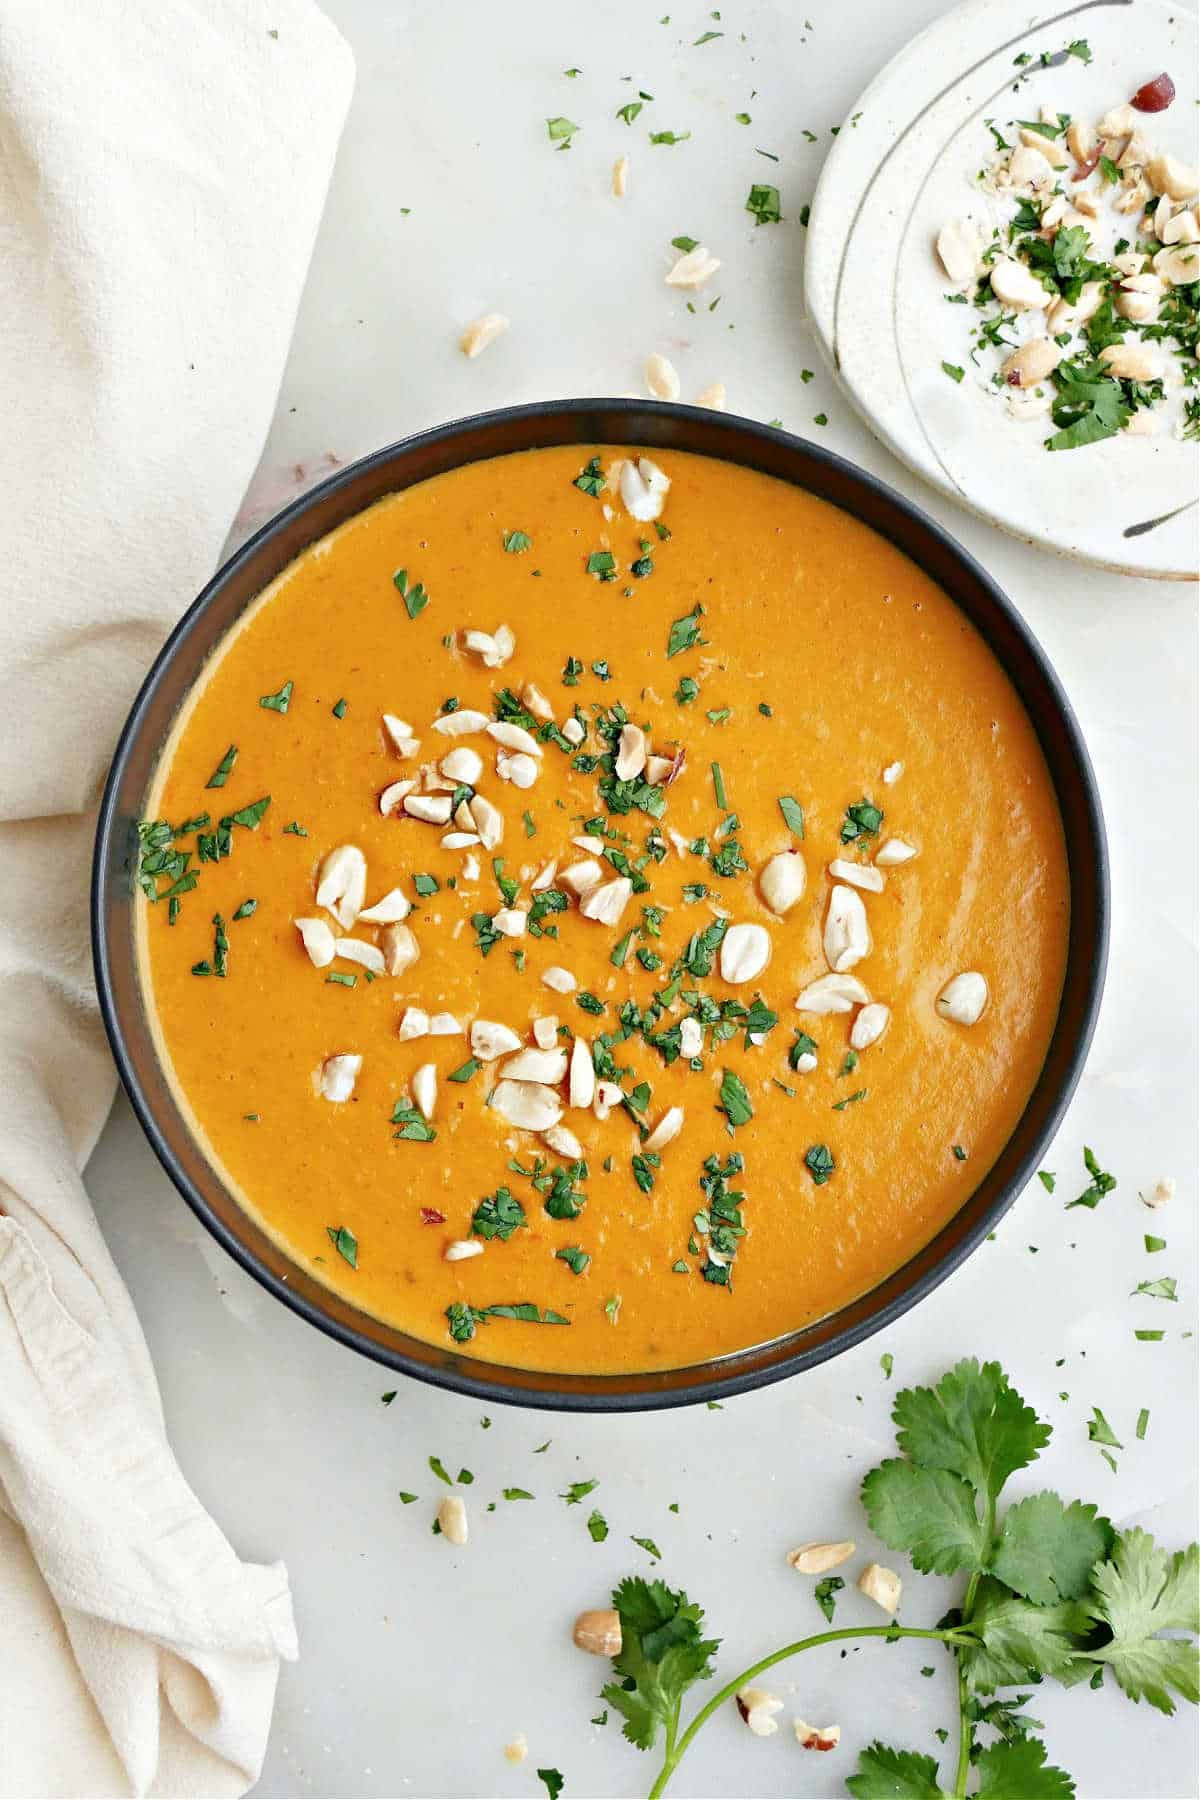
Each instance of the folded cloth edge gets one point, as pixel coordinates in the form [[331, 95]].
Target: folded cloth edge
[[148, 316]]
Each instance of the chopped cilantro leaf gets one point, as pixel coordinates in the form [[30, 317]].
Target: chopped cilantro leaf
[[224, 768], [644, 1167], [862, 821], [1101, 1183], [820, 1163], [826, 1593], [415, 598], [1101, 1432], [413, 1125], [735, 1101], [344, 1242], [685, 632], [249, 817], [498, 1215], [1162, 1289], [1090, 405], [763, 202], [590, 479], [277, 702]]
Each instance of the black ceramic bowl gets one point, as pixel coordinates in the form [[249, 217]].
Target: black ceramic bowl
[[590, 422]]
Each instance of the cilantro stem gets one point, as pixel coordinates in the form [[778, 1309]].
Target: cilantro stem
[[672, 1731], [676, 1750], [966, 1725]]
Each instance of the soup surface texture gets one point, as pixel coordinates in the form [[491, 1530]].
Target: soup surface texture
[[805, 693]]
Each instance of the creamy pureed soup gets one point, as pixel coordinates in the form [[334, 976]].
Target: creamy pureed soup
[[603, 925]]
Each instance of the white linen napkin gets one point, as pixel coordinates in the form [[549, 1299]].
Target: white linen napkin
[[163, 165]]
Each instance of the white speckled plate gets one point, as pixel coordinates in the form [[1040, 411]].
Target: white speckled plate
[[875, 292]]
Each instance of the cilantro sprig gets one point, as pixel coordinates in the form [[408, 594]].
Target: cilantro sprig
[[1053, 1590], [663, 1651]]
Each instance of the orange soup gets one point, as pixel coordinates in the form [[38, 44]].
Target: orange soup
[[607, 913]]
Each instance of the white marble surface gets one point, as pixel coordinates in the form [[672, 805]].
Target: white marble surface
[[420, 1662]]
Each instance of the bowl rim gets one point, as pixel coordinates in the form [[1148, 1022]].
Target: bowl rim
[[921, 1274]]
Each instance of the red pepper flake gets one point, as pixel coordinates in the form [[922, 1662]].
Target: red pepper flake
[[431, 1216], [1154, 96], [678, 764]]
